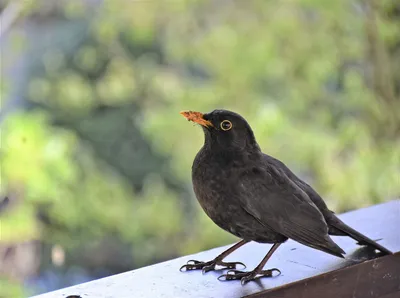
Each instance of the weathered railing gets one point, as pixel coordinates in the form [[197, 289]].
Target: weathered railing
[[306, 273]]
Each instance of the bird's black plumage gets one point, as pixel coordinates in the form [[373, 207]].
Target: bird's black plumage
[[255, 196]]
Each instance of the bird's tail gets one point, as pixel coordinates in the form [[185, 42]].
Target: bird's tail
[[362, 239]]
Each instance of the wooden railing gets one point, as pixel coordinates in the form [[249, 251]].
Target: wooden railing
[[306, 273]]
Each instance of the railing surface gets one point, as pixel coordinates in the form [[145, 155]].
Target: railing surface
[[305, 272]]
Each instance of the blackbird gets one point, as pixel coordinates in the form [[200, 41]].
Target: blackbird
[[256, 197]]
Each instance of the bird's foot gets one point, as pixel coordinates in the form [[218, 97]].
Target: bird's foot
[[248, 276], [210, 265]]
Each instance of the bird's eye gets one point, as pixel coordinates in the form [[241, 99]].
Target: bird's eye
[[226, 125]]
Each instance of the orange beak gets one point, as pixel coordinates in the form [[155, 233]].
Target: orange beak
[[196, 117]]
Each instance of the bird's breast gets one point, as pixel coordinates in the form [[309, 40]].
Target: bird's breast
[[213, 185]]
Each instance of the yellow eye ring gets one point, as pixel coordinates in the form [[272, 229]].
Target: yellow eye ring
[[226, 125]]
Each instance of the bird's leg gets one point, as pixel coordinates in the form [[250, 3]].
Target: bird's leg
[[210, 265], [258, 272]]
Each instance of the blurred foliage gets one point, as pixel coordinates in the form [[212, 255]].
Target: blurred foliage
[[10, 289], [105, 153]]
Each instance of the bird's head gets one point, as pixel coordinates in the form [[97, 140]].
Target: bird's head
[[224, 129]]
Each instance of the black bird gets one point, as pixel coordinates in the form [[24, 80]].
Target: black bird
[[256, 197]]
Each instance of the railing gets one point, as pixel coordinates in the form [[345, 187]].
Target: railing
[[306, 273]]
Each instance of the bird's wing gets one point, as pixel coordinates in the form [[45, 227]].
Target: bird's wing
[[312, 194], [266, 193]]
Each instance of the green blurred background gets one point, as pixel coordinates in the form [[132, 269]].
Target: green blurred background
[[96, 160]]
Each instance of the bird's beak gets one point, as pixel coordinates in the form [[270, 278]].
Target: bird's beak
[[196, 117]]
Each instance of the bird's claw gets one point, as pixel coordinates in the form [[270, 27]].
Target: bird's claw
[[193, 265], [247, 276], [232, 275], [210, 266], [232, 265]]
